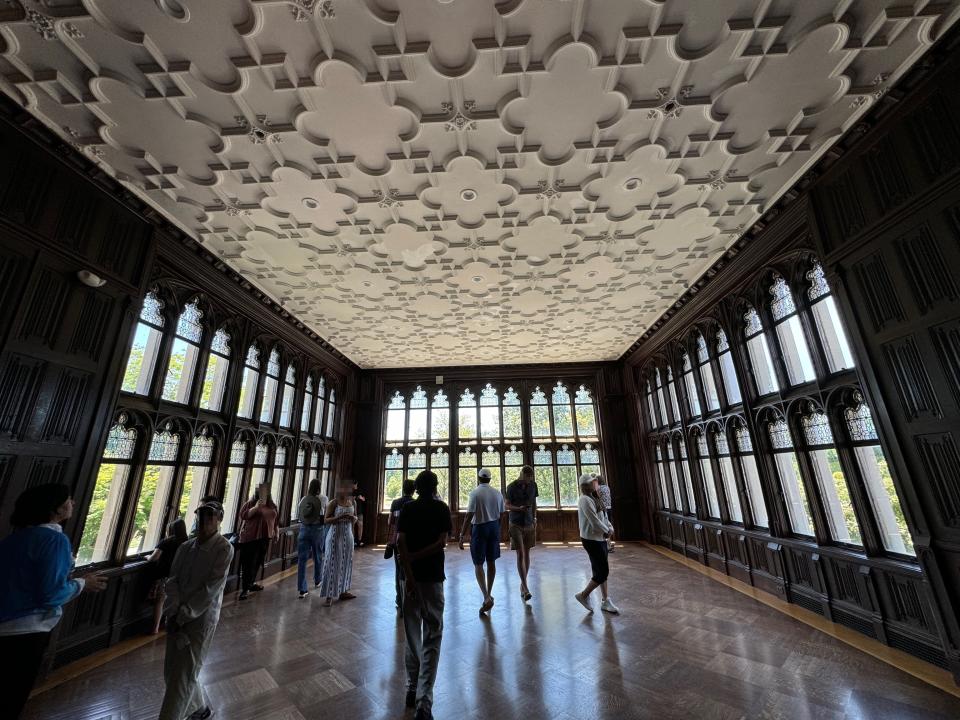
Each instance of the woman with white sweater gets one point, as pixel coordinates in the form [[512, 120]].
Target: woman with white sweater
[[594, 530]]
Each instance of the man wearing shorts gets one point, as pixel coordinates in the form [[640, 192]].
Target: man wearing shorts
[[484, 509], [522, 504]]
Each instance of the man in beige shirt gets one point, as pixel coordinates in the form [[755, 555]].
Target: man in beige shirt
[[194, 595]]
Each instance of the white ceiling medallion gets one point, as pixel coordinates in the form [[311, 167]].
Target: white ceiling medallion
[[403, 174]]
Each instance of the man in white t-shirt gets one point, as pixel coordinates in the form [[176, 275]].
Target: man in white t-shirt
[[484, 509]]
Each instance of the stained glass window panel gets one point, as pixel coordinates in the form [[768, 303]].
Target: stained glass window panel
[[188, 325], [152, 310], [120, 442], [781, 304], [164, 446], [816, 429]]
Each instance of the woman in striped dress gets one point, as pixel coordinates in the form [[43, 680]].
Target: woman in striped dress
[[338, 553]]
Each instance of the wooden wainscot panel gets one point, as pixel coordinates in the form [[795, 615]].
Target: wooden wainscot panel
[[767, 561], [662, 523], [851, 597], [715, 557], [738, 557], [677, 539], [696, 546]]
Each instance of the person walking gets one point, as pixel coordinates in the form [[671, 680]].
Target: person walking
[[259, 517], [395, 507], [162, 559], [337, 574], [35, 565], [522, 504], [606, 500], [310, 541], [360, 502], [484, 508], [594, 530], [422, 535], [194, 595]]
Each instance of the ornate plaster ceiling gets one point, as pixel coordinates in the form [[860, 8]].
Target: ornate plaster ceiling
[[462, 181]]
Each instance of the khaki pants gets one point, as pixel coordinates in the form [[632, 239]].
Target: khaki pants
[[423, 623], [186, 650]]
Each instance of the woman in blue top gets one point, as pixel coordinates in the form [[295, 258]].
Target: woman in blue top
[[35, 565]]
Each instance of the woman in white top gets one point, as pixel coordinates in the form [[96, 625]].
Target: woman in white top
[[594, 530]]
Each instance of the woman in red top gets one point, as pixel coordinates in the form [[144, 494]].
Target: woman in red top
[[259, 518]]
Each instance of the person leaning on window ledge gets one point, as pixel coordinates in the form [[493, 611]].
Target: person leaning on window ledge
[[35, 565]]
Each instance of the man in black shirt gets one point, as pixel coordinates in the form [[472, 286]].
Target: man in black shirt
[[422, 535]]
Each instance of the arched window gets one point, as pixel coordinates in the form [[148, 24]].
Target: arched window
[[440, 418], [150, 514], [791, 480], [543, 476], [674, 481], [440, 464], [183, 355], [231, 493], [786, 324], [258, 476], [764, 377], [248, 387], [419, 433], [271, 385], [539, 414], [299, 483], [751, 475], [728, 372], [875, 471], [687, 475], [651, 407], [706, 473], [562, 416], [200, 464], [307, 411], [490, 414], [289, 391], [661, 402], [827, 319], [318, 407], [138, 375], [512, 416], [100, 524], [672, 392], [690, 385], [326, 478], [277, 474], [666, 501], [468, 464], [215, 376], [330, 427], [727, 476], [841, 517], [706, 374]]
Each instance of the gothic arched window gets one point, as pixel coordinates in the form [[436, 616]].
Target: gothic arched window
[[789, 331], [791, 479], [706, 374], [764, 376], [731, 383], [248, 385], [271, 386], [289, 392], [215, 375], [138, 375], [747, 461], [827, 319], [690, 385], [184, 353]]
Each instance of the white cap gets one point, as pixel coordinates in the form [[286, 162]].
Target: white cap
[[485, 474]]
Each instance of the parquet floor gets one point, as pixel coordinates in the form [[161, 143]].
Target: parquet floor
[[684, 647]]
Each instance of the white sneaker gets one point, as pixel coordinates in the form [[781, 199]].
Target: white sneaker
[[585, 601], [608, 606]]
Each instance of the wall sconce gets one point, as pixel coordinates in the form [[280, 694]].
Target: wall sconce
[[90, 279]]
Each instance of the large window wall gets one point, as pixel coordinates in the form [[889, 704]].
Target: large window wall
[[771, 430], [456, 430], [192, 422]]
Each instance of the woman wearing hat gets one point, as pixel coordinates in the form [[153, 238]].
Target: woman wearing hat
[[594, 530], [35, 565]]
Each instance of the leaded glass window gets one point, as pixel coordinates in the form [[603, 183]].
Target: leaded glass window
[[706, 473], [687, 477], [764, 376], [690, 385], [248, 385], [101, 519], [215, 374], [144, 348], [875, 471], [278, 474], [196, 476], [728, 479], [661, 403], [731, 384], [706, 374], [306, 411], [791, 479], [827, 319], [789, 331], [231, 494], [330, 426], [271, 386], [672, 392], [184, 354], [289, 391], [751, 474], [150, 510]]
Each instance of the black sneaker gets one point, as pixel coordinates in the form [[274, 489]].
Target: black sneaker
[[243, 595], [411, 698], [302, 595], [423, 714], [201, 714], [256, 588]]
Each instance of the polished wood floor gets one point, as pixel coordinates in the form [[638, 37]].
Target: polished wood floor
[[684, 647]]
